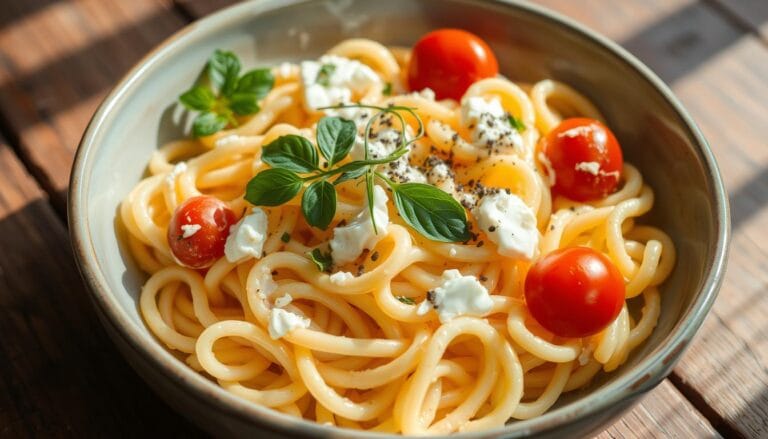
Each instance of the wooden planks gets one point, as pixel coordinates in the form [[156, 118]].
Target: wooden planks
[[664, 412], [725, 373], [57, 60], [60, 375]]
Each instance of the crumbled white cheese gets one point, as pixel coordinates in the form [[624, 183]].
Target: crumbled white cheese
[[190, 230], [350, 240], [337, 84], [178, 169], [285, 69], [282, 322], [382, 143], [426, 93], [489, 124], [590, 167], [509, 223], [341, 277], [283, 301], [550, 170], [452, 252], [246, 238], [457, 295]]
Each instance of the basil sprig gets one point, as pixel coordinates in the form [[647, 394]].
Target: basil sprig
[[222, 94], [295, 163], [516, 123]]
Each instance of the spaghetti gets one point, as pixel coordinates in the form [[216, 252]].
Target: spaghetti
[[362, 354]]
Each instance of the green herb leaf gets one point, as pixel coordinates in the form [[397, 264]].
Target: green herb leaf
[[431, 212], [516, 123], [273, 187], [244, 103], [258, 82], [208, 123], [198, 98], [335, 137], [406, 300], [351, 175], [291, 152], [223, 70], [318, 204], [323, 261], [387, 90], [324, 74], [285, 237]]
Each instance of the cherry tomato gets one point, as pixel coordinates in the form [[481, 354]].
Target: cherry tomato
[[586, 159], [448, 61], [202, 245], [574, 292]]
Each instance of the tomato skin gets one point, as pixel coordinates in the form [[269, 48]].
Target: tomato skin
[[205, 246], [448, 61], [583, 140], [574, 292]]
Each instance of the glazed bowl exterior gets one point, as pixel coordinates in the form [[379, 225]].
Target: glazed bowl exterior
[[531, 43]]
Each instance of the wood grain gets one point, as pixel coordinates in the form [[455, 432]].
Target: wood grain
[[725, 373], [57, 60], [60, 375]]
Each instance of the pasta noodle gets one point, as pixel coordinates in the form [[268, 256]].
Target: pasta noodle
[[367, 358]]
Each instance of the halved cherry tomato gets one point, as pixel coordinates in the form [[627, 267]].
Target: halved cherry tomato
[[202, 245], [574, 292], [586, 159], [448, 61]]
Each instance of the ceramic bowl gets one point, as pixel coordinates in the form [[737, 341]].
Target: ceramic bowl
[[531, 43]]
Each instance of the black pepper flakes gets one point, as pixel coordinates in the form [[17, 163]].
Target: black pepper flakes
[[375, 256], [492, 229], [480, 243]]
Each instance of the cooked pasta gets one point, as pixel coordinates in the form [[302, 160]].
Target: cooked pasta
[[366, 346]]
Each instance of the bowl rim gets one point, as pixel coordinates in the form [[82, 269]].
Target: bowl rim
[[646, 374]]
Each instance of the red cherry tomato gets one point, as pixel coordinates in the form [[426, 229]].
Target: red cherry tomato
[[203, 245], [448, 61], [574, 292], [586, 159]]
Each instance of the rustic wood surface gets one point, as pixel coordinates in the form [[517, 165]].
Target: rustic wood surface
[[60, 376]]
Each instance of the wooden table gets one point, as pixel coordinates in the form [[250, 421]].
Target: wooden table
[[61, 376]]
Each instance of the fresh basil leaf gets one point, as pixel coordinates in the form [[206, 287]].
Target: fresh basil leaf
[[273, 187], [244, 103], [516, 123], [318, 204], [323, 261], [223, 70], [291, 152], [324, 74], [208, 123], [258, 82], [406, 300], [351, 175], [335, 137], [431, 212], [198, 98], [387, 90]]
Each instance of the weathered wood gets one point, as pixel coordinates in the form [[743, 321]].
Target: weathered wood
[[723, 84], [752, 14], [60, 375], [57, 60], [664, 412], [198, 8]]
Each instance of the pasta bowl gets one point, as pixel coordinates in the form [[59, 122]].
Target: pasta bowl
[[531, 43]]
